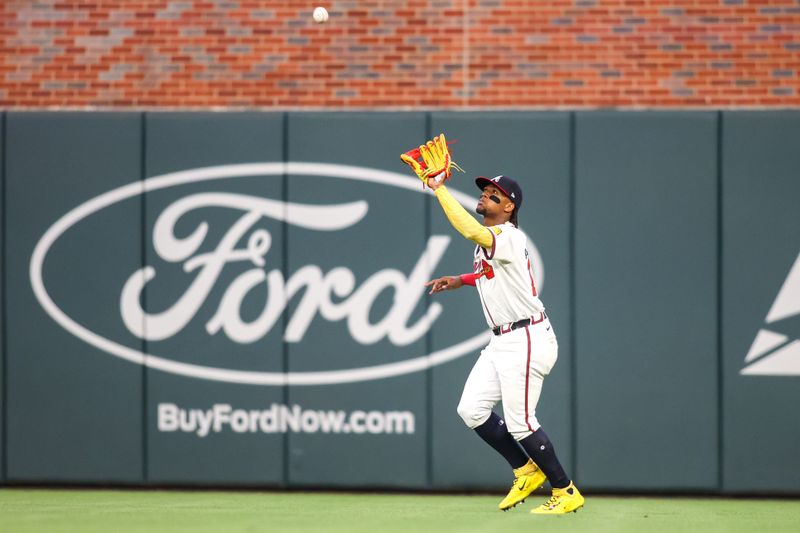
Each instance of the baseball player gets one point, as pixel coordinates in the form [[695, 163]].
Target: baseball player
[[523, 348]]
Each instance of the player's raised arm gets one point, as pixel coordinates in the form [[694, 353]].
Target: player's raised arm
[[431, 163], [461, 220]]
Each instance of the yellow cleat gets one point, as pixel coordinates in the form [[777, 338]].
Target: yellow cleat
[[563, 501], [528, 478]]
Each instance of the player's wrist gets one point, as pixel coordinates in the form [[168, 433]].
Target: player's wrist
[[466, 279], [435, 185]]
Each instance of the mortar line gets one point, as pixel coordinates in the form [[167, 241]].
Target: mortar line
[[464, 54]]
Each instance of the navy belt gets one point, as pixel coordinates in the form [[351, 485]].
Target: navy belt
[[500, 330]]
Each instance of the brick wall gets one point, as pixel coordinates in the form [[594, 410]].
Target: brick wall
[[415, 53]]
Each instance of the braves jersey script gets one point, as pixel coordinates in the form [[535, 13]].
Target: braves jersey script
[[505, 284]]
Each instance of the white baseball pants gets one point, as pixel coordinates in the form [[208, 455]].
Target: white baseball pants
[[512, 369]]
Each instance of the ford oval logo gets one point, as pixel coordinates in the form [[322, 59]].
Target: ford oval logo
[[226, 319]]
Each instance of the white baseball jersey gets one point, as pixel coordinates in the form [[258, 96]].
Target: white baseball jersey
[[513, 366], [506, 285]]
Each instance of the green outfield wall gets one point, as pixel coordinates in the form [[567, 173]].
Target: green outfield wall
[[236, 299]]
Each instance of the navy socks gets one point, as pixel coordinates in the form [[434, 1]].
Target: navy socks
[[537, 445], [541, 451], [494, 432]]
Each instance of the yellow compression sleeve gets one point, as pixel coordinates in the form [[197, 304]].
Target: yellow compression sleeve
[[464, 223]]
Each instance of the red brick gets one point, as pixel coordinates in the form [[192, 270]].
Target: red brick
[[503, 46]]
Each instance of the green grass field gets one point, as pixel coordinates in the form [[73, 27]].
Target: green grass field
[[86, 511]]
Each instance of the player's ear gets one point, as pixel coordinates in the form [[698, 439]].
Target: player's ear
[[509, 207]]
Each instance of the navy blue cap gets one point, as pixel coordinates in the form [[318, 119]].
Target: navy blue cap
[[509, 187]]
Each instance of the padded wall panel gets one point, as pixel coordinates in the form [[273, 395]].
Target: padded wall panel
[[214, 421], [74, 405], [646, 300]]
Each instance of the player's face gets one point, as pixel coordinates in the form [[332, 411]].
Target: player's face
[[493, 201]]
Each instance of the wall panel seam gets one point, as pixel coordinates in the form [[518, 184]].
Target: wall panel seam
[[142, 257], [3, 328], [720, 361], [572, 304], [428, 229], [285, 270]]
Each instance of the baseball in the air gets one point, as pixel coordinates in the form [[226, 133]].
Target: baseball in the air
[[320, 15]]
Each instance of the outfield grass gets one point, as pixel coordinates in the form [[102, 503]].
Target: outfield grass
[[88, 511]]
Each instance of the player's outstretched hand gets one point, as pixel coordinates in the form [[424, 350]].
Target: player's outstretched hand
[[445, 283]]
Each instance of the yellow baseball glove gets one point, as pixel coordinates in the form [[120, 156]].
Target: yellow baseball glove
[[431, 160]]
